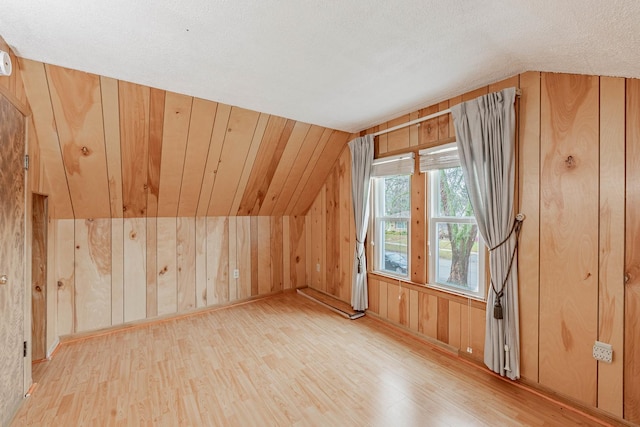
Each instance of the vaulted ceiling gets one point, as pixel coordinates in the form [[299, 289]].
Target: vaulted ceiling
[[339, 64]]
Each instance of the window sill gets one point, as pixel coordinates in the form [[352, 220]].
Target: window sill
[[455, 292]]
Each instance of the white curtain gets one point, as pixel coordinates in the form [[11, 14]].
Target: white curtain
[[485, 133], [361, 161]]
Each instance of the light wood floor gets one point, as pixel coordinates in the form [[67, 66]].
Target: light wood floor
[[278, 361]]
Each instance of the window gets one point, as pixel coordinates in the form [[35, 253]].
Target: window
[[456, 249], [392, 214]]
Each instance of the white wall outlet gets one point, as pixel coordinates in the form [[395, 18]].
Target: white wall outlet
[[469, 350], [318, 268], [603, 352], [236, 273]]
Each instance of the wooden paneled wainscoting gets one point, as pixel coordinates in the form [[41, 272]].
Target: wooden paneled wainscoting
[[107, 272]]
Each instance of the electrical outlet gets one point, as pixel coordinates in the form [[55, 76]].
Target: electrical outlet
[[603, 352], [318, 268], [469, 350], [236, 273]]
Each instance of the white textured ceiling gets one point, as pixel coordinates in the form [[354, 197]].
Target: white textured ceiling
[[344, 64]]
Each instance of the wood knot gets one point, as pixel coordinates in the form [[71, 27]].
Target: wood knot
[[297, 259], [428, 128], [60, 284], [38, 289], [163, 271], [229, 130], [77, 246], [133, 235], [85, 151], [570, 162], [145, 187]]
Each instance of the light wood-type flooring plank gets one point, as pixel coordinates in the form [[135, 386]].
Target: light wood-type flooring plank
[[276, 361]]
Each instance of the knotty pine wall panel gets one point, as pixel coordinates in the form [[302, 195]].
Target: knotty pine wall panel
[[632, 256], [571, 255], [153, 153], [99, 267], [569, 234]]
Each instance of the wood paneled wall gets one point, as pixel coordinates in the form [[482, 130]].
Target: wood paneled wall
[[573, 132], [113, 149], [112, 271]]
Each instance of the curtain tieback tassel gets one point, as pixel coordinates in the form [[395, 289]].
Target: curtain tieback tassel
[[497, 309]]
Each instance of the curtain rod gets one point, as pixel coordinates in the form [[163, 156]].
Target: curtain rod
[[425, 118]]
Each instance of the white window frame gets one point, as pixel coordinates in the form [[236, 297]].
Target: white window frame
[[386, 167], [378, 230], [435, 164]]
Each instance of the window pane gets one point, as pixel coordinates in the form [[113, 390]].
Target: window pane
[[397, 196], [457, 255], [394, 246], [452, 196]]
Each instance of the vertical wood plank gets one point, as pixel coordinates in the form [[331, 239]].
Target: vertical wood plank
[[241, 128], [429, 129], [157, 99], [175, 131], [117, 271], [455, 330], [93, 274], [233, 258], [264, 255], [428, 315], [315, 226], [77, 108], [414, 131], [298, 251], [111, 122], [611, 280], [65, 274], [217, 260], [213, 157], [277, 255], [529, 244], [186, 263], [243, 259], [247, 169], [203, 114], [52, 284], [315, 156], [286, 163], [569, 232], [417, 240], [383, 299], [37, 220], [135, 269], [374, 295], [286, 251], [632, 257], [271, 148], [166, 268], [443, 121], [347, 238], [297, 169], [398, 139], [443, 320], [134, 148], [152, 266], [254, 256], [35, 79], [201, 262]]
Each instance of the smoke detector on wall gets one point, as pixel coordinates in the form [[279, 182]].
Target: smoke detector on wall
[[5, 63]]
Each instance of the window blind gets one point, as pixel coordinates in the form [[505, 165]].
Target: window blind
[[440, 157], [401, 164]]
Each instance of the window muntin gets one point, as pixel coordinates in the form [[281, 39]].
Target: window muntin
[[391, 216], [456, 248]]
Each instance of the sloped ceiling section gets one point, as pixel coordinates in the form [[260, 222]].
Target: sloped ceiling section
[[125, 150]]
